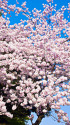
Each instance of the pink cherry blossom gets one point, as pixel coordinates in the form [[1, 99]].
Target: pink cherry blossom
[[35, 60]]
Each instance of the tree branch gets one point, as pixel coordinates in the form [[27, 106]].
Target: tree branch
[[39, 119]]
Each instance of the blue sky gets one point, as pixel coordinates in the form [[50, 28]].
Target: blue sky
[[31, 4], [38, 4]]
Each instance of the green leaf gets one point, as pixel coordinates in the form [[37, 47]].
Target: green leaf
[[0, 14]]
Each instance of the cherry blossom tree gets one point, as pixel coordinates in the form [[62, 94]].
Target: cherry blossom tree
[[34, 62]]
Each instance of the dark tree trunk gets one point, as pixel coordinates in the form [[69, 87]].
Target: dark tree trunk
[[39, 119]]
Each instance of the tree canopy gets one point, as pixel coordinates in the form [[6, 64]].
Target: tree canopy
[[34, 63]]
